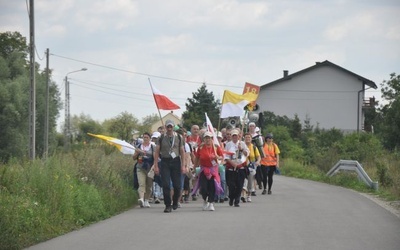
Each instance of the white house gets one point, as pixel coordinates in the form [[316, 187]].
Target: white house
[[325, 93]]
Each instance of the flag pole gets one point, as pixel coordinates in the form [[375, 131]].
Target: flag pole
[[159, 113], [220, 109]]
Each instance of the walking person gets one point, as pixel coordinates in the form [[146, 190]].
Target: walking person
[[270, 162], [170, 148], [144, 155], [207, 157], [253, 161], [235, 157]]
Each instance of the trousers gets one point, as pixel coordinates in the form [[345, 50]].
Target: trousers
[[171, 172]]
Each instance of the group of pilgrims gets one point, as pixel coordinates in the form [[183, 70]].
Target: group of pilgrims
[[174, 166]]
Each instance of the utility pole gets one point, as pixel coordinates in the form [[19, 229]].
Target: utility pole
[[32, 93], [46, 121], [67, 125]]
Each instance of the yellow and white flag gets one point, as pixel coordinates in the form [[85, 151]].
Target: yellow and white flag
[[122, 145], [233, 104]]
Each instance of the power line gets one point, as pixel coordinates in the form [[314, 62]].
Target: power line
[[117, 90], [143, 74]]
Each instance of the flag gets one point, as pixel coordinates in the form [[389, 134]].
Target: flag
[[210, 128], [233, 104], [251, 88], [122, 146], [162, 101]]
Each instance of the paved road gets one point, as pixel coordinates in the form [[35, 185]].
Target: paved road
[[300, 214]]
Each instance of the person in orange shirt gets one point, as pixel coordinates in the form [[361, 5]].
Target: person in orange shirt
[[270, 162]]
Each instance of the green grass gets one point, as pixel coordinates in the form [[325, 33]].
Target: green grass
[[41, 200], [344, 178]]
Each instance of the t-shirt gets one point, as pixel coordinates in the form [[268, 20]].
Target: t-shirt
[[206, 155]]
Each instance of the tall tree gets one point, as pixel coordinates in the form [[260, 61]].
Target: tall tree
[[391, 112], [147, 122], [14, 100], [202, 102], [123, 125]]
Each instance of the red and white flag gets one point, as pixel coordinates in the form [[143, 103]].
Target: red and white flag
[[210, 128], [162, 101]]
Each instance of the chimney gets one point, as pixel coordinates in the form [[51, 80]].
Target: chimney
[[285, 73]]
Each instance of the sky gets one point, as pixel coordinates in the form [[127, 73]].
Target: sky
[[178, 45]]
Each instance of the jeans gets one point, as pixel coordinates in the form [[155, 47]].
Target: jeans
[[223, 185], [157, 191], [171, 171]]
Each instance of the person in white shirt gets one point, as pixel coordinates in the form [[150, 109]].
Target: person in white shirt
[[235, 158]]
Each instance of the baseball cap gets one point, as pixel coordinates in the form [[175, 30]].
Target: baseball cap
[[219, 134], [169, 123], [156, 134], [269, 136]]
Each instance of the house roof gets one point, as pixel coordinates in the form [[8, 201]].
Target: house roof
[[318, 65]]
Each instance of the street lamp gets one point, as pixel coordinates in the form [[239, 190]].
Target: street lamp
[[67, 125]]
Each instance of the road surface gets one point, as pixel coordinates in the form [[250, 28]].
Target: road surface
[[300, 214]]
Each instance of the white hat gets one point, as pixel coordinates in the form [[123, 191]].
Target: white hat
[[257, 129], [252, 124], [219, 134], [234, 132], [156, 134], [208, 133]]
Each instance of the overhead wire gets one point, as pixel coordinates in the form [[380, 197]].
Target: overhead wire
[[143, 74]]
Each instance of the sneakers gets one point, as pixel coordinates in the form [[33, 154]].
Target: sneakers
[[179, 205], [253, 193], [264, 191], [248, 199], [194, 198], [269, 192], [141, 202], [205, 205], [146, 204], [157, 201], [211, 207], [243, 199]]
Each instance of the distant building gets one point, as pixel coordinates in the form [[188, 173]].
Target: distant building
[[327, 94], [170, 116]]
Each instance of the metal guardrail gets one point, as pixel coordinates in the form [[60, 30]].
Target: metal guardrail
[[353, 166]]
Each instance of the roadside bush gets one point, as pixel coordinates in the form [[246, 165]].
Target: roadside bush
[[40, 200]]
